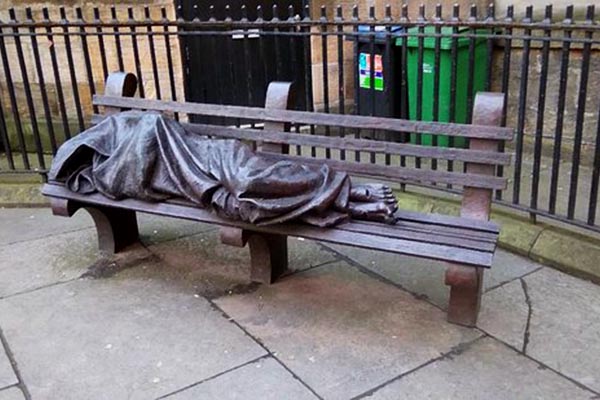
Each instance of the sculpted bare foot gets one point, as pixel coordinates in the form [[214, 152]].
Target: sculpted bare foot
[[373, 202], [372, 192]]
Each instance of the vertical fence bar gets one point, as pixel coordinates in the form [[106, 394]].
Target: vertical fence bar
[[230, 56], [387, 76], [420, 48], [164, 21], [113, 13], [261, 45], [293, 40], [249, 96], [72, 73], [339, 18], [357, 102], [152, 48], [581, 103], [57, 79], [404, 77], [27, 89], [471, 68], [6, 145], [308, 85], [505, 83], [86, 56], [490, 18], [101, 46], [136, 52], [560, 110], [436, 77], [522, 107], [453, 78], [213, 55], [276, 46], [541, 104], [593, 204], [13, 102], [324, 61], [371, 85], [42, 82]]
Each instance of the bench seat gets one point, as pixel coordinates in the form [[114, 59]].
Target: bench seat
[[434, 236]]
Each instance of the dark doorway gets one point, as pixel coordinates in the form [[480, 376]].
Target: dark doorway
[[236, 68]]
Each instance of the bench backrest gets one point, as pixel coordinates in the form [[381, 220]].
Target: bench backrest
[[481, 158]]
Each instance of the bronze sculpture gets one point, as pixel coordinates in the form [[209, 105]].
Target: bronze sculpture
[[148, 156]]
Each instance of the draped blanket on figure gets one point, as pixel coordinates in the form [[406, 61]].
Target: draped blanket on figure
[[147, 156]]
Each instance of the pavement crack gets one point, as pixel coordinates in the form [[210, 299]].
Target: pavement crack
[[529, 312], [264, 347], [449, 355], [13, 363]]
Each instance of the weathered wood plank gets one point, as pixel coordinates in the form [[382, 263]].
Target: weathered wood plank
[[311, 118], [400, 174], [395, 231], [347, 143], [330, 235]]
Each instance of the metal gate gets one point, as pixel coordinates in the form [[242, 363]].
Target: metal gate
[[236, 68]]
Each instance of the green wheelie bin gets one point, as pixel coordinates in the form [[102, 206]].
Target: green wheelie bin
[[480, 67]]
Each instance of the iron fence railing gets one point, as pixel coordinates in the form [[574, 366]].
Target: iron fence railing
[[342, 61]]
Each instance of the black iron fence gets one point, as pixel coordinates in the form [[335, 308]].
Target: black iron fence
[[383, 63]]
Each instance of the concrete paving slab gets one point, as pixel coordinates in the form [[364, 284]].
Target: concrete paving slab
[[34, 223], [12, 393], [216, 268], [494, 318], [426, 277], [119, 338], [36, 263], [343, 332], [485, 370], [265, 379], [564, 332], [7, 375]]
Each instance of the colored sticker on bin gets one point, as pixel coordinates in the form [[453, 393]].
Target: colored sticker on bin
[[364, 70], [378, 72]]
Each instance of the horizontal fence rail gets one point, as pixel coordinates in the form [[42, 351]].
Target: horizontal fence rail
[[419, 65]]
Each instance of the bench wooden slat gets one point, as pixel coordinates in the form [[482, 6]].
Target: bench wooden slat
[[310, 118], [348, 143], [400, 174], [396, 231], [331, 235]]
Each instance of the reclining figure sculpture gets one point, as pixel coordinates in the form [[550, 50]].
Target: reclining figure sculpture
[[148, 156]]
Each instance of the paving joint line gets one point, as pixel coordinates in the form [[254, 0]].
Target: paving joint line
[[13, 362], [14, 385], [50, 235], [213, 377], [380, 278], [541, 364], [529, 313], [455, 350], [513, 279], [264, 347], [27, 291]]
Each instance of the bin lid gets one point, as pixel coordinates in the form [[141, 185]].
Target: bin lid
[[380, 33], [445, 42]]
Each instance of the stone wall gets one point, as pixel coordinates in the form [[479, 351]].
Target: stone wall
[[81, 78]]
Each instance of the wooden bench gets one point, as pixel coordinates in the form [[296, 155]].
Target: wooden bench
[[467, 242]]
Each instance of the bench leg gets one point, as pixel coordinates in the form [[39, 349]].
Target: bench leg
[[116, 228], [268, 257], [465, 293]]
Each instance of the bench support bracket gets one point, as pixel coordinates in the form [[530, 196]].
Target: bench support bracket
[[268, 252], [116, 228]]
